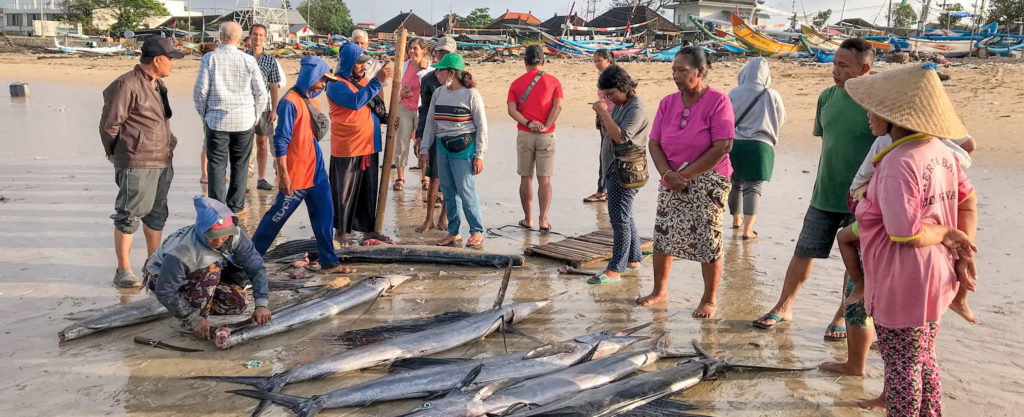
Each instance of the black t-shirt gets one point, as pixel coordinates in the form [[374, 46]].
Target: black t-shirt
[[428, 84]]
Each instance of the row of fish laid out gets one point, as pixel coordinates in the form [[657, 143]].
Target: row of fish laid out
[[584, 376], [334, 302]]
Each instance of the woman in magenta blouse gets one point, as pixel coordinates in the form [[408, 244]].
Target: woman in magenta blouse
[[690, 142]]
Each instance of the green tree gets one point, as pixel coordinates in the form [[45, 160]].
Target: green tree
[[327, 16], [1006, 11], [477, 19], [948, 21], [131, 14], [903, 16], [655, 5], [821, 18]]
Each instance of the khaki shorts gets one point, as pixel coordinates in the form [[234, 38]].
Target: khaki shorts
[[536, 149]]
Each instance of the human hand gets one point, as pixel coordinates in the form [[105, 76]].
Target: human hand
[[478, 166], [110, 158], [536, 127], [202, 330], [424, 161], [261, 315], [385, 72], [284, 183], [675, 181], [600, 107], [406, 92], [959, 244], [967, 273], [273, 117]]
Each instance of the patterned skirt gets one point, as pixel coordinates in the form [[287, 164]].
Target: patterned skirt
[[689, 223]]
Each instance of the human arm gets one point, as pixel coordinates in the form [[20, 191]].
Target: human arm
[[339, 94], [429, 127], [722, 125], [673, 180], [201, 89], [480, 121], [249, 260], [847, 239], [607, 123], [169, 282], [259, 89], [513, 110], [556, 109], [899, 199], [707, 160], [967, 222], [116, 104], [275, 97], [286, 113]]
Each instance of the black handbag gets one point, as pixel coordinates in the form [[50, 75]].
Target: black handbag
[[631, 166], [456, 144]]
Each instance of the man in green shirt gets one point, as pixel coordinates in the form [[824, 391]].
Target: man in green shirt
[[845, 140]]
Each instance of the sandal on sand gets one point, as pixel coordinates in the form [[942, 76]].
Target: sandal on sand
[[602, 278], [596, 198], [831, 333], [759, 323], [522, 223], [399, 185], [750, 237], [475, 241]]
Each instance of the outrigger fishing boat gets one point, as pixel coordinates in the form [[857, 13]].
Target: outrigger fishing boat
[[821, 41], [756, 42], [89, 50], [949, 48], [729, 43]]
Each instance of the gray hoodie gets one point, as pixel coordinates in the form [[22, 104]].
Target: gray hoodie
[[765, 119]]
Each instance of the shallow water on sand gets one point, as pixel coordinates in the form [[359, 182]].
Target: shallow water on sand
[[57, 191]]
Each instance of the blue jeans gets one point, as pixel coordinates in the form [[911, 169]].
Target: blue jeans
[[626, 239], [321, 218], [458, 184]]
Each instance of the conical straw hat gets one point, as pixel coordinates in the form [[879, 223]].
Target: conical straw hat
[[911, 97]]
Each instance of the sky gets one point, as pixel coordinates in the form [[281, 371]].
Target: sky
[[379, 11]]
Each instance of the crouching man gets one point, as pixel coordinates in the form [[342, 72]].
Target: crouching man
[[201, 270]]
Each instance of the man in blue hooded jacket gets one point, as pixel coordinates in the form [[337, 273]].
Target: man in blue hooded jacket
[[300, 174], [201, 269], [356, 114]]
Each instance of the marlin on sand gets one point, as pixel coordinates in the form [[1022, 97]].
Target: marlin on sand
[[449, 375], [413, 345]]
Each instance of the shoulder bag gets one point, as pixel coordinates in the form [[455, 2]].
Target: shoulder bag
[[320, 122]]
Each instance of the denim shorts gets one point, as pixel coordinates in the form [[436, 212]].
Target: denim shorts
[[819, 232]]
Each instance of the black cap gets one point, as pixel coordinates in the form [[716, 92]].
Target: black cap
[[534, 55], [362, 59], [159, 46]]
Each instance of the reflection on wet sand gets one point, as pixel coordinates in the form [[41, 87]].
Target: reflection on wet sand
[[54, 260]]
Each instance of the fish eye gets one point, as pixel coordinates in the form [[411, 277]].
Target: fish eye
[[427, 405]]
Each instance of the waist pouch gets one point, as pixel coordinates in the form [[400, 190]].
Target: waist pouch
[[631, 167], [456, 144]]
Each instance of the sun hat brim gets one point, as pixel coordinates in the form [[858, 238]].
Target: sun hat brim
[[911, 97]]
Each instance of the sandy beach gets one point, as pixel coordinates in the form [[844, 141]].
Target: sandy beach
[[57, 191]]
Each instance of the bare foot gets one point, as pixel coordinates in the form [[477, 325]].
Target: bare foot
[[872, 404], [651, 300], [705, 310], [961, 308], [843, 368], [450, 240], [427, 225], [856, 296], [442, 224]]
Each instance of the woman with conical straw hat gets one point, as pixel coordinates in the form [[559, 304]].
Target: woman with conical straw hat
[[917, 224]]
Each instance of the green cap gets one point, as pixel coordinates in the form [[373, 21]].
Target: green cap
[[451, 61]]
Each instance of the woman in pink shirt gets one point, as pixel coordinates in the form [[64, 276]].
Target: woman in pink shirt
[[691, 137], [917, 223], [409, 104]]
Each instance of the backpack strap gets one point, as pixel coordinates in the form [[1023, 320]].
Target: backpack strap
[[749, 107], [529, 88]]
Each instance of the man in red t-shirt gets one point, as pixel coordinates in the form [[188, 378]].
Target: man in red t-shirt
[[534, 101]]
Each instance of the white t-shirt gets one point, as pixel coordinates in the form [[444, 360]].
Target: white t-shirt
[[867, 168]]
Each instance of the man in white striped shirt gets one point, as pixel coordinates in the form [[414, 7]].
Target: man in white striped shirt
[[229, 95]]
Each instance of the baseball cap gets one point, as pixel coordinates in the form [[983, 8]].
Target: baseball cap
[[534, 55], [223, 227], [160, 46], [446, 43], [364, 58], [451, 61]]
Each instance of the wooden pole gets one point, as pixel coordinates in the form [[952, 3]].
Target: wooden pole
[[389, 141]]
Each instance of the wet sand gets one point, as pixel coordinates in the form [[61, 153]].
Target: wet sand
[[57, 191]]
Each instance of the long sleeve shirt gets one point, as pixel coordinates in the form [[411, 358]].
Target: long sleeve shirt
[[230, 93], [135, 123], [454, 113]]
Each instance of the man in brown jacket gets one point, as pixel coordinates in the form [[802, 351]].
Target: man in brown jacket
[[136, 134]]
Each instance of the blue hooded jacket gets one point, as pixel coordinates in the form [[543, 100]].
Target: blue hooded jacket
[[186, 251], [312, 69], [340, 94]]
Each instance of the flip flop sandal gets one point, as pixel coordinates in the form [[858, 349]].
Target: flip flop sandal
[[399, 185], [452, 243], [522, 223], [759, 322], [601, 197], [545, 229], [602, 278], [477, 244], [832, 329], [750, 237]]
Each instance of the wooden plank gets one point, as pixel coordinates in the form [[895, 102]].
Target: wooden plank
[[587, 246], [555, 255], [583, 254], [597, 240]]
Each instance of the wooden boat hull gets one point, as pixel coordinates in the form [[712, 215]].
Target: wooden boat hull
[[816, 40], [757, 42], [950, 49]]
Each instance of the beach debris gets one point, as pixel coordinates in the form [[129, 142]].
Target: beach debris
[[298, 274], [426, 254], [253, 364], [423, 343], [311, 311], [422, 377], [141, 340], [19, 89], [121, 315]]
